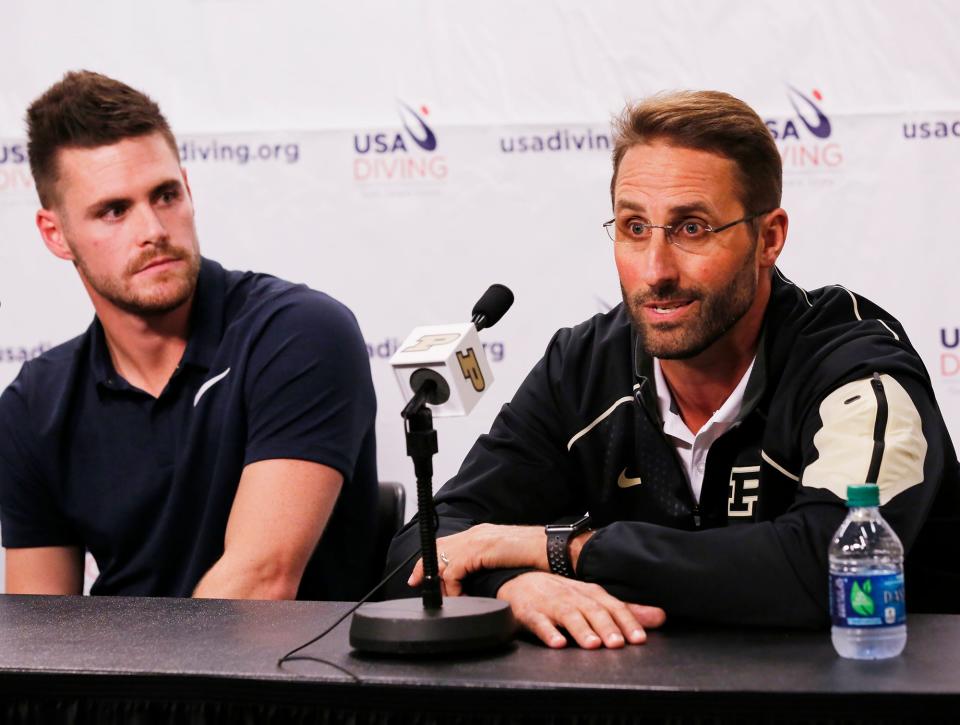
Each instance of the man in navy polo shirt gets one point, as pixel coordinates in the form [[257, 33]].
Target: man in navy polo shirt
[[212, 432]]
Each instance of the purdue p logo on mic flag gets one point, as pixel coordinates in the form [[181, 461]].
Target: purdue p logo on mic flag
[[435, 340], [471, 369]]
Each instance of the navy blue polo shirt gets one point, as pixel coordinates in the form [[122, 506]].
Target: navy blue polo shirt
[[271, 370]]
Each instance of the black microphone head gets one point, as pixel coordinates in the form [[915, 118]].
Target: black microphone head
[[492, 306]]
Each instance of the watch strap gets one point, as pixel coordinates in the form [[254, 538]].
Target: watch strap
[[558, 545], [558, 551]]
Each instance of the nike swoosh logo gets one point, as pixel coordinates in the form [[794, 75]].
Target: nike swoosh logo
[[624, 482], [209, 384]]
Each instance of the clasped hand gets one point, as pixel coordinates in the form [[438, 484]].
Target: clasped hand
[[541, 602]]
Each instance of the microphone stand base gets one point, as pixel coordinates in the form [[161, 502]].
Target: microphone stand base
[[404, 626]]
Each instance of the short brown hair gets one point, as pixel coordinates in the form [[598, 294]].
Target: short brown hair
[[85, 110], [707, 121]]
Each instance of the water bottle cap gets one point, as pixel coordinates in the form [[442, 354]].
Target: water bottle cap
[[863, 494]]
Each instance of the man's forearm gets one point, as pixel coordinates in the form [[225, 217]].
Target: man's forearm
[[231, 578], [44, 570], [758, 574], [491, 554], [270, 537]]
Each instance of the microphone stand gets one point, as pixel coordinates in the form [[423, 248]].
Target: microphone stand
[[437, 625], [421, 447]]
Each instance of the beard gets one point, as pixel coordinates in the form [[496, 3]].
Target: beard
[[719, 312], [166, 292]]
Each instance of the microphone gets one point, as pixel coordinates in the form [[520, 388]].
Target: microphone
[[446, 365], [442, 370], [491, 306]]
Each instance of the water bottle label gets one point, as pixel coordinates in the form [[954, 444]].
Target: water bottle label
[[872, 600]]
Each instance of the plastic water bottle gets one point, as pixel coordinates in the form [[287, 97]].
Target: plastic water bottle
[[867, 602]]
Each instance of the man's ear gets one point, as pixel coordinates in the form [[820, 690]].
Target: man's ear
[[773, 235], [51, 230]]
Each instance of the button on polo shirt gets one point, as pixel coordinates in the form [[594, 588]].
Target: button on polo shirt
[[271, 370]]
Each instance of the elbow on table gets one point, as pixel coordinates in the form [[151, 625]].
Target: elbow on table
[[261, 577], [277, 578]]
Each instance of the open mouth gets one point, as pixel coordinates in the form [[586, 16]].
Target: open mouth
[[667, 308]]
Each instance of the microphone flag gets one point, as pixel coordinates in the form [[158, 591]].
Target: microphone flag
[[453, 352]]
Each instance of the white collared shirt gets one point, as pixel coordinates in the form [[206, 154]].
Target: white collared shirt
[[692, 449]]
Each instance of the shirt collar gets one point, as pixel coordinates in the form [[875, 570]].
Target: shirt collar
[[728, 413], [100, 362], [206, 317], [206, 326]]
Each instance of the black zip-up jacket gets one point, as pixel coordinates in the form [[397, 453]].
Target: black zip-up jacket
[[837, 396]]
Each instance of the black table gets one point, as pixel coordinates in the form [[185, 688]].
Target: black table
[[101, 660]]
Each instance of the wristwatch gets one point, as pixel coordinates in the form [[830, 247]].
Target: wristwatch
[[558, 544]]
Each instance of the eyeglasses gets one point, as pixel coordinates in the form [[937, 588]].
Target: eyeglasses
[[691, 235]]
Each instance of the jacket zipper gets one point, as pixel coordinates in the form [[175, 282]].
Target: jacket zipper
[[879, 429]]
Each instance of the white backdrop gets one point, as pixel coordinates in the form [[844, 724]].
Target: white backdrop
[[299, 124]]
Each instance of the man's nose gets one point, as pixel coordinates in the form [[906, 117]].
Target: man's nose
[[658, 262], [150, 228]]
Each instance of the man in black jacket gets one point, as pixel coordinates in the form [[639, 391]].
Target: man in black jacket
[[691, 449]]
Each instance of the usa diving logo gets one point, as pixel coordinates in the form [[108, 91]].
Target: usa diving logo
[[806, 137], [407, 154]]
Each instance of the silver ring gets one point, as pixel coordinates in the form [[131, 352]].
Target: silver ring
[[444, 558]]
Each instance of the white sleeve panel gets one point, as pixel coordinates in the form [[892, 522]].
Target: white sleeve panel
[[845, 442]]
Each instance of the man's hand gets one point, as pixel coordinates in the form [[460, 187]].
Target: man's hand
[[543, 602], [485, 546]]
